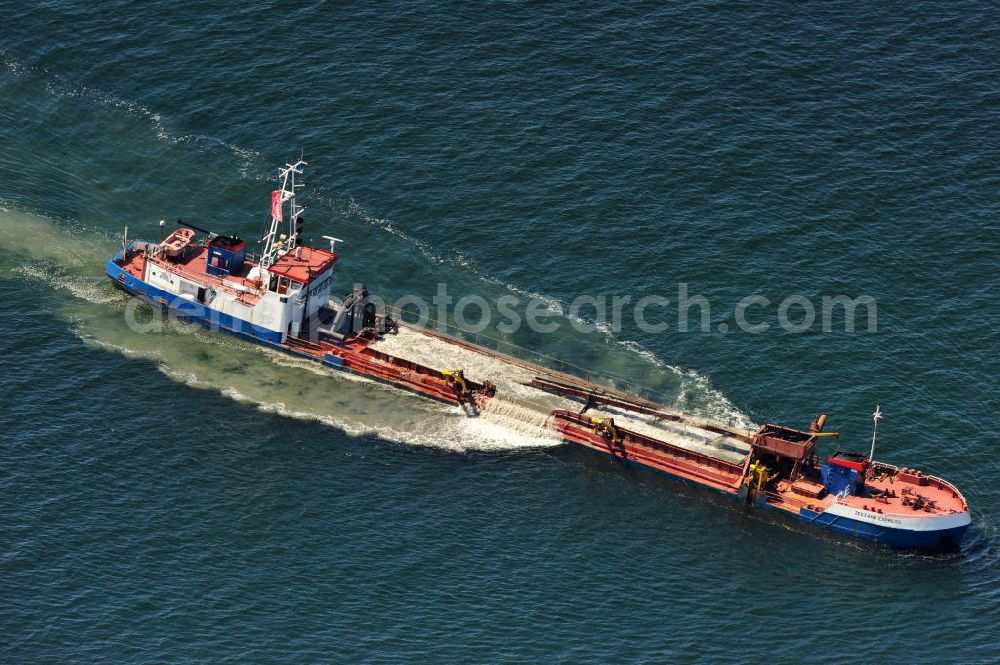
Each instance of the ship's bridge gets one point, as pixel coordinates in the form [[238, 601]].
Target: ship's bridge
[[301, 266]]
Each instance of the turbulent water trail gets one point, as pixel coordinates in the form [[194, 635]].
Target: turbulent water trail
[[43, 255], [61, 88], [54, 257], [707, 399], [65, 269], [523, 408]]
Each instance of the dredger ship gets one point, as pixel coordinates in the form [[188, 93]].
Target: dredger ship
[[282, 300]]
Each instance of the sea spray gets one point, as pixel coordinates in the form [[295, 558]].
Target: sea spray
[[67, 259]]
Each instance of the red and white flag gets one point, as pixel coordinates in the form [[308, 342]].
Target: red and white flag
[[276, 204]]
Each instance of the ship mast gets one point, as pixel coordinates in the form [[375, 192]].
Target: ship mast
[[877, 416], [277, 244]]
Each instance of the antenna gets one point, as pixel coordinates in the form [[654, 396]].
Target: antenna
[[877, 416], [275, 246]]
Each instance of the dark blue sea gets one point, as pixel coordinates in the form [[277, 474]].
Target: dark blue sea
[[186, 497]]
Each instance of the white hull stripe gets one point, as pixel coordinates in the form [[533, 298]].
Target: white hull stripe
[[939, 523]]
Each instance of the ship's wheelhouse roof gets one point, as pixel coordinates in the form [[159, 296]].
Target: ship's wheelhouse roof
[[308, 266]]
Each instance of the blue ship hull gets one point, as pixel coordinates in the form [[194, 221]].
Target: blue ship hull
[[217, 321], [924, 539], [188, 310], [894, 537]]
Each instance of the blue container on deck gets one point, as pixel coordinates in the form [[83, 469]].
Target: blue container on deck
[[225, 255], [845, 471]]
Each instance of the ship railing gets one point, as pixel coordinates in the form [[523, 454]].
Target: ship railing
[[248, 298], [524, 354], [941, 481], [951, 488], [124, 252], [772, 497]]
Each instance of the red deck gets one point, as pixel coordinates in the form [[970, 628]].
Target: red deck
[[193, 268], [888, 490], [897, 493], [354, 355], [357, 356], [311, 263], [702, 469]]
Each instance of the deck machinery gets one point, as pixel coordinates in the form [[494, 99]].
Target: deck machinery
[[282, 300]]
